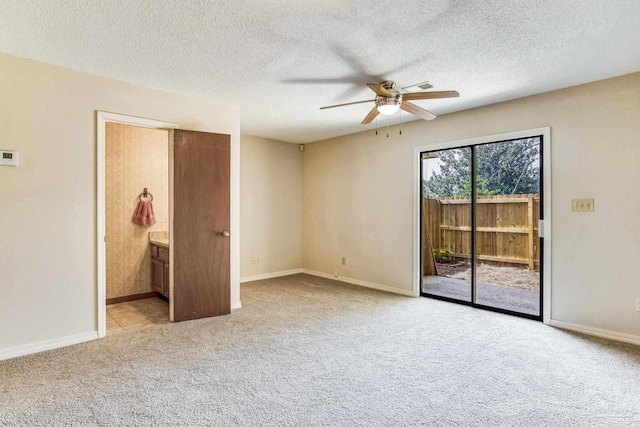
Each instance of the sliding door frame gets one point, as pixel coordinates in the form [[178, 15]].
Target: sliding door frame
[[545, 208]]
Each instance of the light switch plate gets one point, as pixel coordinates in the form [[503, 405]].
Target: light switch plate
[[582, 205]]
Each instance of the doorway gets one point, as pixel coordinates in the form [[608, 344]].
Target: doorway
[[197, 257], [481, 203], [132, 278], [137, 225]]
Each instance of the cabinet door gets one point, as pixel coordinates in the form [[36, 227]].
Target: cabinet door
[[158, 275]]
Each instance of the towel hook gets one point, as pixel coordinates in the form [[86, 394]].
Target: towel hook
[[145, 193]]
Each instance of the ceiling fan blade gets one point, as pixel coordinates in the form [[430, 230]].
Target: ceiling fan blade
[[378, 89], [348, 103], [372, 115], [430, 95], [417, 111]]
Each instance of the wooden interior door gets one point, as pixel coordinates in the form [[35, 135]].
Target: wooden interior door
[[201, 222]]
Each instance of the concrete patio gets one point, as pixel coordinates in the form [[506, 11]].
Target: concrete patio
[[504, 297]]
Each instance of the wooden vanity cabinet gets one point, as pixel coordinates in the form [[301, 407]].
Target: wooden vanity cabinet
[[160, 270]]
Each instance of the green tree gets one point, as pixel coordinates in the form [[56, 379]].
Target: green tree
[[510, 167]]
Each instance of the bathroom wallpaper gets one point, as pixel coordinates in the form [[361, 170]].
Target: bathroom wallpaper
[[135, 158]]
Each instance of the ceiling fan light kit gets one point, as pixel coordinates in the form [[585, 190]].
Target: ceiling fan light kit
[[388, 106], [389, 100]]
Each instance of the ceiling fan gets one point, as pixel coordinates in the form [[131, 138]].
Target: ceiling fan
[[389, 100]]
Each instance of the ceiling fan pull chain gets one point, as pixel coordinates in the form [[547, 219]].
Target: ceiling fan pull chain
[[400, 124]]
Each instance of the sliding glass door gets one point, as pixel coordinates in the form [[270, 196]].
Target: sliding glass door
[[480, 212], [446, 237]]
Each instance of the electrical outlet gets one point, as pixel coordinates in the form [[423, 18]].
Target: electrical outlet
[[344, 261], [255, 260], [582, 205], [335, 273], [638, 304]]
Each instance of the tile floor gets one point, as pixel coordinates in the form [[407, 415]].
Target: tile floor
[[134, 314]]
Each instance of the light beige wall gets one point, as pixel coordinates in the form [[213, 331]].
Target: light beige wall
[[135, 158], [358, 200], [48, 204], [270, 206]]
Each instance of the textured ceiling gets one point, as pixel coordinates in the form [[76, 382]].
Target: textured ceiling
[[279, 61]]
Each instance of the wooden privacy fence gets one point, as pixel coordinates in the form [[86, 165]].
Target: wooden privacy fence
[[507, 229]]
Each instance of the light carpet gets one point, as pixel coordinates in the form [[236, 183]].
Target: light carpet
[[307, 351]]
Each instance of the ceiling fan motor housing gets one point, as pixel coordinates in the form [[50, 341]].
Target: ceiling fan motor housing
[[388, 84], [395, 99]]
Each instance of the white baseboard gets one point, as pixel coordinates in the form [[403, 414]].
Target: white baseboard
[[236, 305], [37, 347], [602, 333], [270, 275], [405, 292]]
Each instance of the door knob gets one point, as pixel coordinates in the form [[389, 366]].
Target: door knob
[[225, 233]]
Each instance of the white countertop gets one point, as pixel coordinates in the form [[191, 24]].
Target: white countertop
[[160, 238]]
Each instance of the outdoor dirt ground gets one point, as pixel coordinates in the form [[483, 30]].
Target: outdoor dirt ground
[[512, 277]]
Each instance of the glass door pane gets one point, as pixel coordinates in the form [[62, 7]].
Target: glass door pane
[[507, 212], [446, 224]]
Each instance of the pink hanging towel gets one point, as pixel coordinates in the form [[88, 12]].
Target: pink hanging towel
[[144, 214]]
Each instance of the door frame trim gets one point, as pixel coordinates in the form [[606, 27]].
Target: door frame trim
[[546, 178], [102, 118]]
